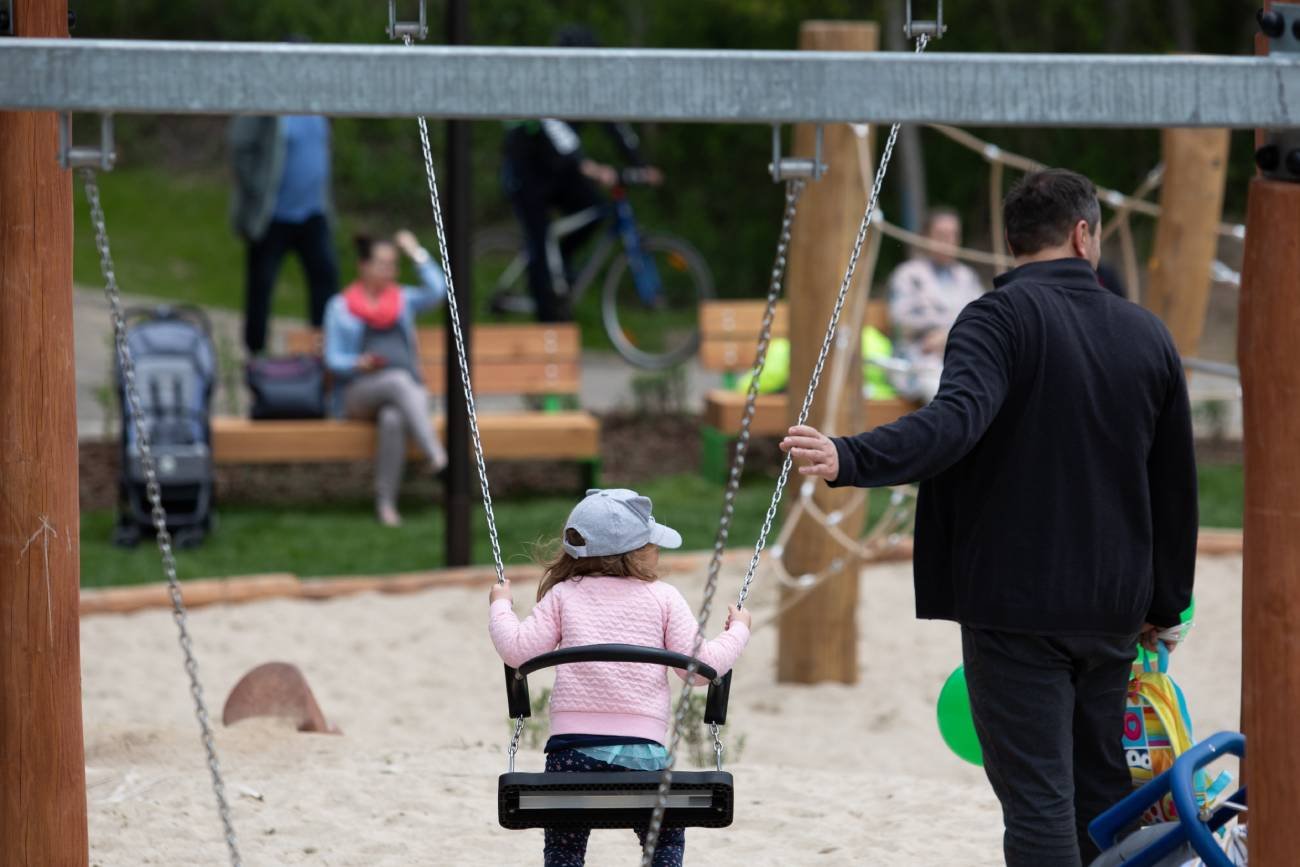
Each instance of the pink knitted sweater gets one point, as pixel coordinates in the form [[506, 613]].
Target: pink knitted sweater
[[610, 698]]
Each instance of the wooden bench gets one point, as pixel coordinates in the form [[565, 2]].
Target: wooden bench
[[729, 339], [540, 361]]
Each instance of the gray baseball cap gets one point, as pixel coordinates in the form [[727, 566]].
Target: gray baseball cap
[[616, 521]]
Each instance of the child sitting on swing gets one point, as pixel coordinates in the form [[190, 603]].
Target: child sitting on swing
[[603, 588]]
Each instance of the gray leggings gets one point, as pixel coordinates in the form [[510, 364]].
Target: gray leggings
[[398, 405]]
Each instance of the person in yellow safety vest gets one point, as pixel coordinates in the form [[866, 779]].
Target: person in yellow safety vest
[[775, 377]]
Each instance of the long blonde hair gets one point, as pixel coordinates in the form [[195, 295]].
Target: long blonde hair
[[561, 567]]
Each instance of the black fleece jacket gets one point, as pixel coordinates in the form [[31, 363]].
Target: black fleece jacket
[[1058, 477]]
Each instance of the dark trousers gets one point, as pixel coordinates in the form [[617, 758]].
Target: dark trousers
[[533, 198], [315, 248], [568, 848], [1049, 713]]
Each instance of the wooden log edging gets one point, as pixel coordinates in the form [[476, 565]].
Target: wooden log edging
[[283, 585]]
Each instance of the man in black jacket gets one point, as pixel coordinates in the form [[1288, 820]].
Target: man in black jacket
[[1057, 515]]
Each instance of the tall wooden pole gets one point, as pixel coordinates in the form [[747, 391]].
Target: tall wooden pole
[[1191, 202], [818, 635], [1269, 356], [42, 763]]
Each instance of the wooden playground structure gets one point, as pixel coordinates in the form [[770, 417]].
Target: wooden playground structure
[[42, 766]]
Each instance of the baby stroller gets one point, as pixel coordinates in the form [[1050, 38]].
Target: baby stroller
[[1198, 839], [175, 366]]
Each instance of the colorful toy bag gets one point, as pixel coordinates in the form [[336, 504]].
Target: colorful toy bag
[[1157, 730]]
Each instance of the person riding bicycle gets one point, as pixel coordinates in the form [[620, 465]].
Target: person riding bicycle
[[544, 169]]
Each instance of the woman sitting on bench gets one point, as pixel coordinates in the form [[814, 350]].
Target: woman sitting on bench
[[370, 348]]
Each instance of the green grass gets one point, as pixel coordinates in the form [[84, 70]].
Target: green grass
[[1222, 492], [171, 239], [343, 539]]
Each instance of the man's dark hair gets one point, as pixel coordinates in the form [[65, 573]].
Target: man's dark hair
[[1042, 209]]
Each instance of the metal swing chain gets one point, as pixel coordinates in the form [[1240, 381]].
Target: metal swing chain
[[827, 340], [514, 742], [665, 783], [154, 492], [794, 188], [453, 313]]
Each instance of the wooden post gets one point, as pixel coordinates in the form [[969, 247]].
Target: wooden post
[[818, 636], [42, 763], [1269, 356], [1191, 202]]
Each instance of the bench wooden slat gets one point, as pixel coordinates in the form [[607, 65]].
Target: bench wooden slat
[[728, 355], [729, 330], [506, 436], [510, 377], [724, 410], [739, 320]]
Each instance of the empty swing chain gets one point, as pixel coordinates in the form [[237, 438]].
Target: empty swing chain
[[453, 313], [154, 492], [827, 340], [794, 188], [665, 782]]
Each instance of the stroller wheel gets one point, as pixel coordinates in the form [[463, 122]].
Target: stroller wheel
[[126, 535]]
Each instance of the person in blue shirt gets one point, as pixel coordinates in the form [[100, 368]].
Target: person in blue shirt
[[371, 349], [281, 202]]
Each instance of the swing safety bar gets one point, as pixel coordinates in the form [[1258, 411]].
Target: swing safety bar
[[715, 707]]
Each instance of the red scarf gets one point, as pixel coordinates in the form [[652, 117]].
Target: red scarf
[[378, 311]]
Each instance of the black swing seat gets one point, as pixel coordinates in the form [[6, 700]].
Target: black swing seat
[[697, 799], [623, 799]]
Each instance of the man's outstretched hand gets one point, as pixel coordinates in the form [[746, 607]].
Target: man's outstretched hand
[[813, 451]]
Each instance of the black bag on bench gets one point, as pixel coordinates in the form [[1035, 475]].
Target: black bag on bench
[[287, 387]]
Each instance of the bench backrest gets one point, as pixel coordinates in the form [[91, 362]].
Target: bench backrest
[[505, 359], [729, 330]]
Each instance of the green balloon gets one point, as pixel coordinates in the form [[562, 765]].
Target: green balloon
[[955, 721]]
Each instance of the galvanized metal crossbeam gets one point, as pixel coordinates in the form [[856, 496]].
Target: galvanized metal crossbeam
[[657, 84]]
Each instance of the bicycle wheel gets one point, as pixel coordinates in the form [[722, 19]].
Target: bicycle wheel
[[501, 272], [659, 328]]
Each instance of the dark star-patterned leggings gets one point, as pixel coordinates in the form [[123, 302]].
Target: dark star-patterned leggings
[[568, 848]]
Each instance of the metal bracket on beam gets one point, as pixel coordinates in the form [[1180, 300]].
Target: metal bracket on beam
[[786, 168], [418, 29], [934, 29], [1279, 157], [72, 157]]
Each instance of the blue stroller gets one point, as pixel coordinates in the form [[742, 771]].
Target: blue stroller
[[175, 368], [1192, 837]]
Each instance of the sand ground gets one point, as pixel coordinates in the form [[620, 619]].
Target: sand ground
[[828, 774]]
